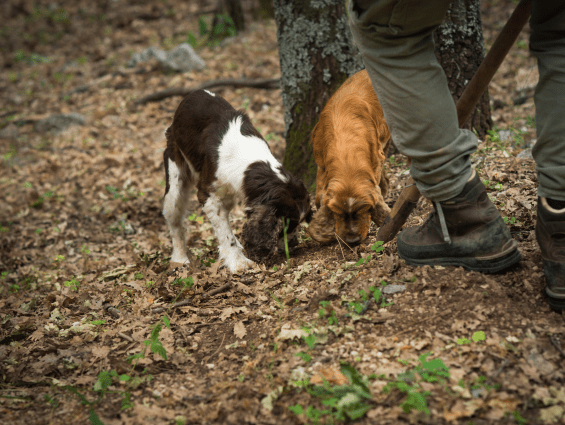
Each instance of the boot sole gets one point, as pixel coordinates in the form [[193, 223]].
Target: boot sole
[[556, 304], [489, 264]]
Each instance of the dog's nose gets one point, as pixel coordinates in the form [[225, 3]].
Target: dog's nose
[[352, 239]]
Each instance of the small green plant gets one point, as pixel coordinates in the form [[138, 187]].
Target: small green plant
[[377, 247], [198, 219], [310, 340], [113, 191], [432, 371], [304, 356], [39, 202], [31, 59], [531, 121], [153, 342], [285, 229], [73, 284], [344, 402], [138, 276], [208, 262], [518, 418], [362, 261], [331, 315], [191, 39], [510, 220]]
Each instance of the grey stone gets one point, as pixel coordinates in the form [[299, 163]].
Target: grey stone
[[525, 154], [182, 58], [393, 289], [506, 135], [58, 123]]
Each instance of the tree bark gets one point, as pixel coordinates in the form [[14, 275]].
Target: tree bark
[[460, 50], [235, 11], [317, 55]]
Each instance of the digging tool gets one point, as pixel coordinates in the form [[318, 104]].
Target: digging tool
[[410, 195]]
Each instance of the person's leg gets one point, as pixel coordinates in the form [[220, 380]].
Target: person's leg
[[465, 229], [396, 42], [547, 43]]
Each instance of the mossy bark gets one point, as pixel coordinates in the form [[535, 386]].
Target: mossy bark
[[460, 50], [317, 55]]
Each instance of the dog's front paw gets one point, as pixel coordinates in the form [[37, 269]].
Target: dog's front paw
[[180, 258], [236, 261]]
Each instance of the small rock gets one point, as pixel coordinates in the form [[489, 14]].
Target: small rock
[[506, 135], [182, 58], [58, 123], [393, 289], [525, 154]]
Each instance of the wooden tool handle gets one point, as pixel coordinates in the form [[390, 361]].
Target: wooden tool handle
[[410, 195]]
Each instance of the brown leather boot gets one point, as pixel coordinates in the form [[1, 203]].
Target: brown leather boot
[[550, 233], [466, 230]]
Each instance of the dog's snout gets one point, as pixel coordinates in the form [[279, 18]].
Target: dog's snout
[[352, 239]]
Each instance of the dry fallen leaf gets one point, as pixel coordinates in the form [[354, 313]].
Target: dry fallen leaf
[[331, 375], [239, 329]]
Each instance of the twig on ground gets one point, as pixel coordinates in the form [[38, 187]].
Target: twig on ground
[[221, 343], [339, 243], [337, 236], [126, 337], [218, 290], [113, 311], [270, 83], [179, 304]]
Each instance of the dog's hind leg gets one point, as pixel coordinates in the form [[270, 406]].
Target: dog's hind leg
[[230, 249], [175, 206]]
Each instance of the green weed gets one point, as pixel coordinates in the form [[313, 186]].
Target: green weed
[[432, 371], [344, 402], [73, 284]]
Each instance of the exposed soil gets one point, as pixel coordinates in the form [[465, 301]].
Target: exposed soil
[[84, 253]]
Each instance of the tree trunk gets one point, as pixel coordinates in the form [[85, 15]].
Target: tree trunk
[[317, 55], [235, 11], [460, 51], [266, 9]]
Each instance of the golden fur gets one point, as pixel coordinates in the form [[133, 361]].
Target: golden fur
[[349, 144]]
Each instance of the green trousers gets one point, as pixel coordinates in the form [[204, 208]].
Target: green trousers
[[396, 43]]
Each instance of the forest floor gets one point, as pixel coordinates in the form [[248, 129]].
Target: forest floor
[[87, 331]]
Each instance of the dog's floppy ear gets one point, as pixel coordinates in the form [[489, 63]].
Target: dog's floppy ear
[[261, 232], [322, 226]]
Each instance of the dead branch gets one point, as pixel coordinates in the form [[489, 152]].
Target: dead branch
[[178, 304], [272, 83], [217, 291]]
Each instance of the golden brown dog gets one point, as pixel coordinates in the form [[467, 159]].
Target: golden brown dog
[[349, 144]]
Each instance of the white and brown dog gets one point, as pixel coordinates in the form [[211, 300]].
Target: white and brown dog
[[212, 146], [349, 142]]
